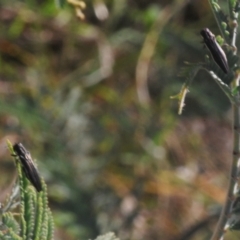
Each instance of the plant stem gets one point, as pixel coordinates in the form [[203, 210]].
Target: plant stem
[[234, 186], [219, 231]]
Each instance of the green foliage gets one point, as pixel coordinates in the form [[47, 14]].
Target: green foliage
[[229, 84], [69, 91], [35, 216], [221, 19], [9, 221], [210, 65]]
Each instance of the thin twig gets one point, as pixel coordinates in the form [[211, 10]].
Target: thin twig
[[219, 231]]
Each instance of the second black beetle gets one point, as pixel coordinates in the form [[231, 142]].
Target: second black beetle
[[215, 49], [28, 165]]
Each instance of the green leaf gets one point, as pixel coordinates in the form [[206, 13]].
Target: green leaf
[[35, 215], [10, 222]]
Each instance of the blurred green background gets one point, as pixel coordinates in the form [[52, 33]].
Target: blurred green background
[[91, 100]]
